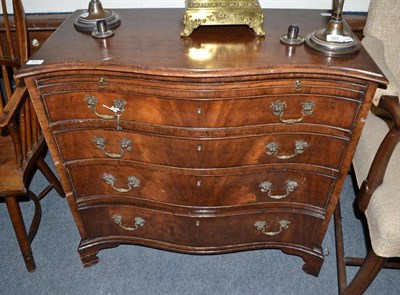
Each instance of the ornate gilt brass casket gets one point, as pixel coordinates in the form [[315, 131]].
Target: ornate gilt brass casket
[[223, 12]]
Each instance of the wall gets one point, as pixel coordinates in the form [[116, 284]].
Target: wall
[[43, 6]]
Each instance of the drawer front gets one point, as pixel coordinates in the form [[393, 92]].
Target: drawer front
[[305, 148], [200, 232], [283, 186], [284, 109], [196, 89]]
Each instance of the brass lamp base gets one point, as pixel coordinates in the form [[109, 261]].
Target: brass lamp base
[[318, 41], [87, 21], [223, 12], [334, 40]]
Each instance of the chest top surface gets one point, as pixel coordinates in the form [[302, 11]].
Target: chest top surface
[[148, 41]]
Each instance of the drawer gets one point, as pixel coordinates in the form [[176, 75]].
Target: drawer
[[287, 101], [199, 89], [305, 148], [284, 109], [195, 189], [201, 233]]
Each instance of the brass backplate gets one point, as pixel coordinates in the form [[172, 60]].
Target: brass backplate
[[223, 12]]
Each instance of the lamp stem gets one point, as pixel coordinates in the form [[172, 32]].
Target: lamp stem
[[338, 9]]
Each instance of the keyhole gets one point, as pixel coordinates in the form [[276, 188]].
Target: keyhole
[[102, 83], [298, 86]]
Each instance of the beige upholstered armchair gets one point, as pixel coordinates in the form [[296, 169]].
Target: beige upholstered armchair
[[377, 159]]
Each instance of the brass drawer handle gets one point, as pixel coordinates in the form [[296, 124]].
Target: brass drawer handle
[[263, 227], [132, 182], [266, 187], [139, 222], [117, 108], [125, 145], [272, 149], [278, 109]]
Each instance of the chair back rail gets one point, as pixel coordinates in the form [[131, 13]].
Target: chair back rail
[[25, 129]]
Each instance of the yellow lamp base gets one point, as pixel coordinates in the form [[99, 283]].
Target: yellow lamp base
[[223, 12]]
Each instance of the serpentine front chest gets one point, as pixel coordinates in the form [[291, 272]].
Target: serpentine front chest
[[219, 142]]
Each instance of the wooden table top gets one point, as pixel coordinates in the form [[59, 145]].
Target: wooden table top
[[149, 41]]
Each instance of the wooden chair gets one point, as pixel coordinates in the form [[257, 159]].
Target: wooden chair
[[377, 158], [21, 144]]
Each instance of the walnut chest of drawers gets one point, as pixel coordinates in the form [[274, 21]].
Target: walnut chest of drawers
[[219, 142]]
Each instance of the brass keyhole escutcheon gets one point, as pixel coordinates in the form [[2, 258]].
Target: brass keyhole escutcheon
[[298, 86], [102, 83]]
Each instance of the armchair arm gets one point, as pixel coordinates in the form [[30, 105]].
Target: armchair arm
[[13, 105], [382, 157], [391, 104]]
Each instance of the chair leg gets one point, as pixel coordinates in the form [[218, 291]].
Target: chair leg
[[340, 257], [366, 274], [45, 169], [36, 217], [20, 231]]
